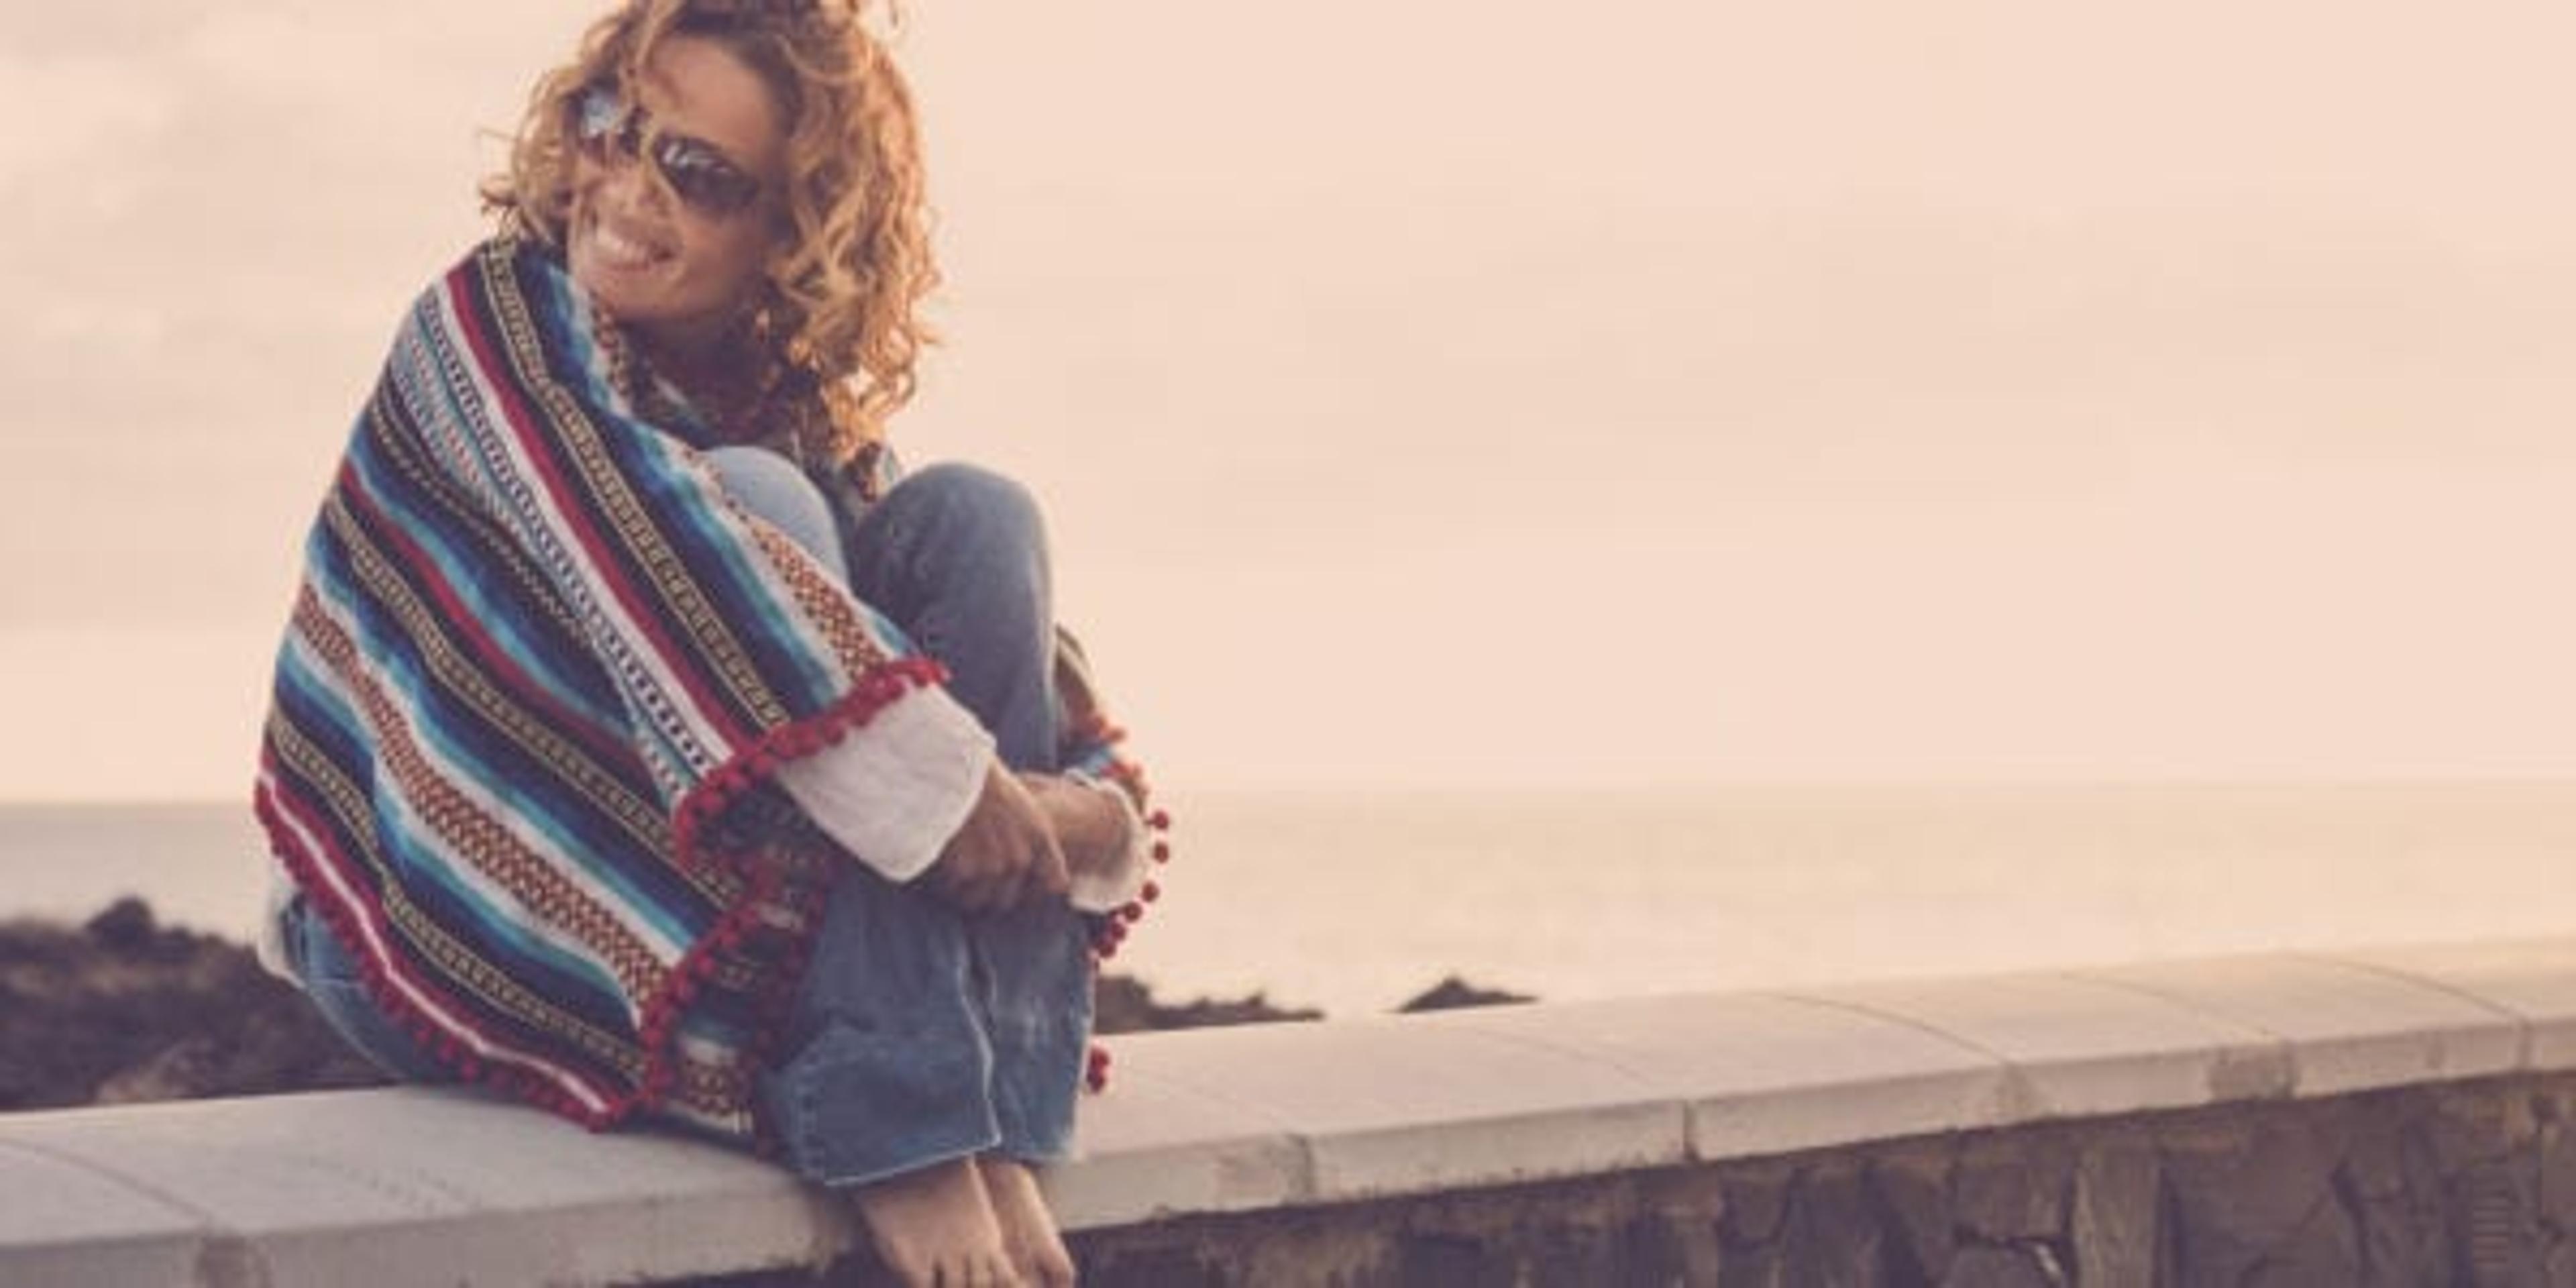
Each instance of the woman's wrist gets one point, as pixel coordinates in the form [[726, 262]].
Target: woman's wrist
[[1104, 842], [1089, 827]]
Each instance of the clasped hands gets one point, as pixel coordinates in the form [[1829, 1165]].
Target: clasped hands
[[1025, 837]]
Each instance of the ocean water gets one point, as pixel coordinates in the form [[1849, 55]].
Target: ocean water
[[1352, 902]]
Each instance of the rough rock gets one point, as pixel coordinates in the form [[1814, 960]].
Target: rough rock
[[2015, 1187], [131, 1010], [1912, 1187], [2388, 1184], [1983, 1266], [1831, 1237], [1757, 1198], [2115, 1223], [1763, 1267], [2242, 1195], [123, 1009], [1452, 993], [2558, 1176], [1686, 1209], [1120, 1004], [2559, 1267], [2467, 1129], [2323, 1251], [2500, 1234]]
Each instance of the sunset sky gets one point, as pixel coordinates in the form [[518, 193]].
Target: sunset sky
[[1483, 395]]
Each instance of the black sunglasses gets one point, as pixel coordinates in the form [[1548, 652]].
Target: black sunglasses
[[606, 126]]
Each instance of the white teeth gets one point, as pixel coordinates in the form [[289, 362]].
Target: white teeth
[[621, 250]]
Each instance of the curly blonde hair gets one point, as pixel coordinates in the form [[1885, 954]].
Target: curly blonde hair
[[839, 328]]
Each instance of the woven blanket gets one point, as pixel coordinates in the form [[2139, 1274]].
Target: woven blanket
[[537, 673]]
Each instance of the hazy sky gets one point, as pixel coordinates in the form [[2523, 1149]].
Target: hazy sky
[[1482, 393]]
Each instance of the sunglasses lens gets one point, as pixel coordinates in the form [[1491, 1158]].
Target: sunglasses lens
[[702, 178]]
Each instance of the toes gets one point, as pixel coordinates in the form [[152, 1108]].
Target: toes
[[1054, 1265], [907, 1271], [1043, 1264], [912, 1267]]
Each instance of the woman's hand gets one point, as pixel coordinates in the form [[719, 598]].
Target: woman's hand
[[1090, 825], [1003, 854]]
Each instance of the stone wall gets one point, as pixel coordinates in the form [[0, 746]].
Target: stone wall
[[2360, 1117], [2459, 1184]]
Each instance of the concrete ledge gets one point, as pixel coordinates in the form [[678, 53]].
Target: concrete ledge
[[382, 1188], [390, 1188]]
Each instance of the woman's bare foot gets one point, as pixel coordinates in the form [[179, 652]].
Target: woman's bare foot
[[934, 1228], [1028, 1229]]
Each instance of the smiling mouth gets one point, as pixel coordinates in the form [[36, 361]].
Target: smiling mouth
[[621, 250]]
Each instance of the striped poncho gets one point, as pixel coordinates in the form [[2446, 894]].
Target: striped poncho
[[536, 678]]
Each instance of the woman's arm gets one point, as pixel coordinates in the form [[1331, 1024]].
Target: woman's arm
[[1097, 806], [1091, 826], [1008, 850]]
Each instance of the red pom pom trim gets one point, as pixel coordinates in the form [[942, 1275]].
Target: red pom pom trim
[[661, 1010]]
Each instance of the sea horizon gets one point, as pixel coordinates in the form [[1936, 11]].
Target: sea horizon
[[1352, 901]]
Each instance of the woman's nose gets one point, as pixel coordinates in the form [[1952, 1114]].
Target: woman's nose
[[623, 183]]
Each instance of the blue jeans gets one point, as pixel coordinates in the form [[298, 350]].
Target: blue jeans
[[917, 1035], [920, 1035], [330, 977]]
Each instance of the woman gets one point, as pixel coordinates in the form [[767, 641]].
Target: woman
[[640, 744]]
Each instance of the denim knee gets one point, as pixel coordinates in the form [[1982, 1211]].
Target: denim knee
[[989, 506], [957, 555], [773, 489]]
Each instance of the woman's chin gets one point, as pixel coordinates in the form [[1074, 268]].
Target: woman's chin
[[642, 302], [626, 290]]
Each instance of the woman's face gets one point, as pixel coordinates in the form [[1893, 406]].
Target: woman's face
[[678, 272]]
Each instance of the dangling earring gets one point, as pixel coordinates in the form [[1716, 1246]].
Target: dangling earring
[[783, 383], [753, 324]]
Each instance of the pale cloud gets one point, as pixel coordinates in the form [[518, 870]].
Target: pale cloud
[[308, 53], [1800, 387], [117, 331], [117, 713], [67, 113], [373, 64]]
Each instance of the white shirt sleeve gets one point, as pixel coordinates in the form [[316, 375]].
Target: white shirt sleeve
[[894, 790]]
